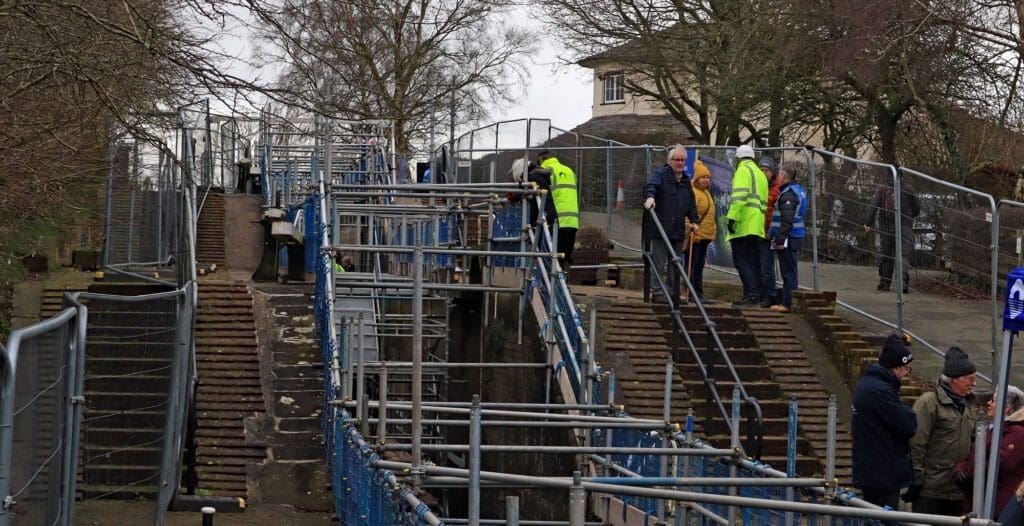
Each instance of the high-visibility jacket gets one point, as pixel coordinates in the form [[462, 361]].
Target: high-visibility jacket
[[564, 193], [338, 267], [749, 203]]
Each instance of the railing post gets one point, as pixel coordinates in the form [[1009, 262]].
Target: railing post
[[474, 462], [608, 436], [577, 501], [382, 407], [898, 234], [666, 416], [979, 468], [684, 517], [359, 368], [417, 364], [736, 446], [791, 438], [809, 155], [511, 510], [830, 445]]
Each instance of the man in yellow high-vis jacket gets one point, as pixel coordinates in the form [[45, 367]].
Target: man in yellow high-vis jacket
[[746, 223], [567, 204]]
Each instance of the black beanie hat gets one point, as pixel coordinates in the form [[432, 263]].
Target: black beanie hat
[[957, 363], [894, 353]]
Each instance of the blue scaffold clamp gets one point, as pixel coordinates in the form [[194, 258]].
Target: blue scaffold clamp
[[1013, 312], [558, 367]]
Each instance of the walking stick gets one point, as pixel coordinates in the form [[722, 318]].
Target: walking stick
[[689, 268]]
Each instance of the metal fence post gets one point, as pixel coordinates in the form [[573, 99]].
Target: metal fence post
[[474, 461], [610, 197], [7, 381], [360, 372], [809, 156], [417, 364], [830, 445], [979, 468], [791, 452], [382, 407], [666, 416], [736, 446], [577, 501], [512, 510], [897, 213]]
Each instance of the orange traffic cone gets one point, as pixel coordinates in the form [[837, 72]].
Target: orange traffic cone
[[620, 198]]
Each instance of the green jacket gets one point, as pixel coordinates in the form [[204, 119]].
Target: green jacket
[[564, 193], [944, 435], [749, 200]]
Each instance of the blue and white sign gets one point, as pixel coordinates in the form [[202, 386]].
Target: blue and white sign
[[1013, 313]]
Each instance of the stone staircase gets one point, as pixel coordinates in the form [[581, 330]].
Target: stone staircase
[[295, 472], [210, 228], [229, 388], [797, 377], [643, 334], [128, 357], [848, 349]]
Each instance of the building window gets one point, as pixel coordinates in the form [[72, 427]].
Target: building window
[[613, 91]]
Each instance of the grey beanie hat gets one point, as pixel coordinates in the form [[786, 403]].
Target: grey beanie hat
[[767, 162], [957, 363]]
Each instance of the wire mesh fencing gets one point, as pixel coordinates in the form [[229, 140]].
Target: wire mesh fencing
[[143, 209], [37, 482], [93, 406]]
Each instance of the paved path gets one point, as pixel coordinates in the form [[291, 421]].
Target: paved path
[[942, 320]]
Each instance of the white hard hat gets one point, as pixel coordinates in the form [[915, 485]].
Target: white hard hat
[[518, 170], [745, 152]]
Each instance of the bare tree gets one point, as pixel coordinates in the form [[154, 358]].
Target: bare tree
[[396, 60], [711, 64]]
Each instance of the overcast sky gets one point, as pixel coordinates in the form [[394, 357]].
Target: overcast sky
[[557, 92]]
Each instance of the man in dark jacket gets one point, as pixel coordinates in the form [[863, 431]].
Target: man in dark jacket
[[787, 232], [883, 426], [668, 191], [883, 208]]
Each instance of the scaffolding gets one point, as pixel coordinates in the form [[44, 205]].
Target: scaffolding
[[397, 437]]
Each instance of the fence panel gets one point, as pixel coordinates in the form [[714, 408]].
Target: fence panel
[[951, 255], [36, 448]]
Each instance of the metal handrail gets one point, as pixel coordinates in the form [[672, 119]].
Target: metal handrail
[[183, 377], [757, 433]]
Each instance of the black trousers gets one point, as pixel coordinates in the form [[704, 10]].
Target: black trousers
[[566, 242], [953, 508], [767, 258], [696, 267], [887, 258], [746, 257], [883, 497]]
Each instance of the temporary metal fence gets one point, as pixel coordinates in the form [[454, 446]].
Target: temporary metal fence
[[293, 151], [40, 367], [961, 244], [143, 208], [153, 198], [66, 406]]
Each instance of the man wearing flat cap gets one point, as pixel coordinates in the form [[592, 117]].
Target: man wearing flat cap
[[945, 428], [883, 426]]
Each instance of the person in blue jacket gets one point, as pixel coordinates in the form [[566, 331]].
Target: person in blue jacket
[[669, 193], [787, 232], [883, 426]]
